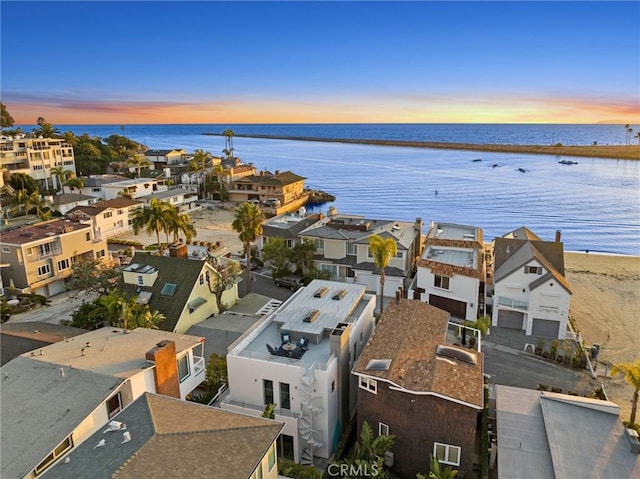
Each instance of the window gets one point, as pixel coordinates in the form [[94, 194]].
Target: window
[[30, 251], [333, 385], [63, 447], [368, 384], [319, 244], [88, 236], [183, 367], [140, 279], [64, 264], [267, 386], [114, 405], [285, 401], [352, 249], [285, 446], [46, 249], [441, 281], [271, 459], [258, 473], [533, 269], [331, 268], [107, 214], [44, 270], [201, 279], [383, 429], [446, 454], [400, 254], [100, 254], [6, 250]]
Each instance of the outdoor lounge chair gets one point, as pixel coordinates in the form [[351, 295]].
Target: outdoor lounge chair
[[272, 350], [286, 338], [303, 343], [296, 353]]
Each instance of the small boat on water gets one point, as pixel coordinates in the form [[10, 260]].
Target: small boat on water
[[476, 160], [522, 170], [568, 162]]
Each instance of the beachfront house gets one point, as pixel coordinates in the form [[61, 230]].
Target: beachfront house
[[92, 185], [413, 383], [342, 249], [163, 158], [287, 226], [172, 438], [531, 292], [39, 257], [107, 218], [56, 397], [65, 202], [178, 287], [451, 271], [184, 201], [36, 157], [546, 434], [284, 187], [300, 359]]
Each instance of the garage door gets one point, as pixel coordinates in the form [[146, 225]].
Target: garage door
[[545, 328], [510, 319], [56, 287], [456, 308]]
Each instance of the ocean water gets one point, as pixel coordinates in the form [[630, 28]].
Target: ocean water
[[595, 204]]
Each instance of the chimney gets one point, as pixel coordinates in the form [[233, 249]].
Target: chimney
[[558, 236], [165, 373], [418, 225], [339, 345], [178, 250]]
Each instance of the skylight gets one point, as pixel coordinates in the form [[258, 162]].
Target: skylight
[[168, 289], [379, 364]]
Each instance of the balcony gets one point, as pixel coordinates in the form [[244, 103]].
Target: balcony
[[198, 365], [513, 303], [255, 410]]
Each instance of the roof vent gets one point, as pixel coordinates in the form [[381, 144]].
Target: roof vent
[[320, 292], [311, 316], [631, 438], [339, 295]]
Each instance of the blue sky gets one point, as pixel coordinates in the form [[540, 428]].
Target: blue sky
[[237, 62]]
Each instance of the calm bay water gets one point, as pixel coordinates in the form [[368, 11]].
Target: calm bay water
[[596, 203]]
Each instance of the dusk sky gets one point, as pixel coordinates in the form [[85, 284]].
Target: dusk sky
[[320, 62]]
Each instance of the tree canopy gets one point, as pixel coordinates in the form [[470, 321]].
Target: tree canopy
[[248, 223], [382, 250], [6, 120], [92, 276]]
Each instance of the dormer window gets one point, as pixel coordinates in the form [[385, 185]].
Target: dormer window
[[533, 270]]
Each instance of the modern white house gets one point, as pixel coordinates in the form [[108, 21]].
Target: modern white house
[[56, 397], [531, 292], [184, 201], [162, 158], [287, 226], [92, 185], [450, 273], [65, 202], [342, 248], [300, 359], [108, 218], [134, 188]]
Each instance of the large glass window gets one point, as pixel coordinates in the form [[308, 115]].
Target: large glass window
[[267, 386], [63, 447], [352, 249], [271, 458], [447, 454], [441, 281], [183, 367], [114, 405], [285, 446], [285, 402]]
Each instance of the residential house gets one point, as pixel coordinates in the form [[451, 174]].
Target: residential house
[[65, 202], [177, 287], [40, 256], [184, 201], [165, 437], [92, 185], [107, 218], [22, 337], [342, 249], [36, 157], [285, 187], [299, 358], [287, 226], [531, 292], [416, 386], [55, 398], [163, 158], [451, 271], [546, 434], [134, 188]]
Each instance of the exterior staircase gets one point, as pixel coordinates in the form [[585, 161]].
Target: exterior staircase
[[309, 408]]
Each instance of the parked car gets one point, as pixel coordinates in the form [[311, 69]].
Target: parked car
[[292, 282]]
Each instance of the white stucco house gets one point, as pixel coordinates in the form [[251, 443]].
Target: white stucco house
[[108, 218], [451, 272], [531, 292], [134, 188], [311, 385]]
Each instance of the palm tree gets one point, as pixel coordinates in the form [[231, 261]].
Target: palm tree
[[61, 175], [138, 162], [180, 223], [46, 129], [631, 373], [75, 183], [382, 250], [638, 137], [248, 223], [228, 143], [152, 219]]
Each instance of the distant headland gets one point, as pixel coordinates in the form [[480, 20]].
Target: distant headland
[[616, 152]]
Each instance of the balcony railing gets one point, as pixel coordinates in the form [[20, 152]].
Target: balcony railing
[[198, 365], [260, 409], [513, 303]]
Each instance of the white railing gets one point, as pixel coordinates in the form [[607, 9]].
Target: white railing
[[198, 365], [260, 409], [513, 303]]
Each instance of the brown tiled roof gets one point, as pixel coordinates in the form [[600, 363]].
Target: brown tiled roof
[[28, 234], [281, 179], [408, 334], [120, 202], [453, 243], [450, 269]]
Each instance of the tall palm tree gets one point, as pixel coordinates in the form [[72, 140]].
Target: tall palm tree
[[222, 175], [638, 137], [248, 223], [61, 175], [228, 143], [152, 219], [382, 250], [180, 223], [627, 129], [138, 162], [631, 373]]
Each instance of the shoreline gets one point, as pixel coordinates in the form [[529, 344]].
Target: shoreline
[[614, 152]]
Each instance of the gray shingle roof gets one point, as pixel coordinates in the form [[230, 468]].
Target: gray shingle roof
[[174, 439], [181, 271], [41, 407], [68, 198], [19, 338]]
